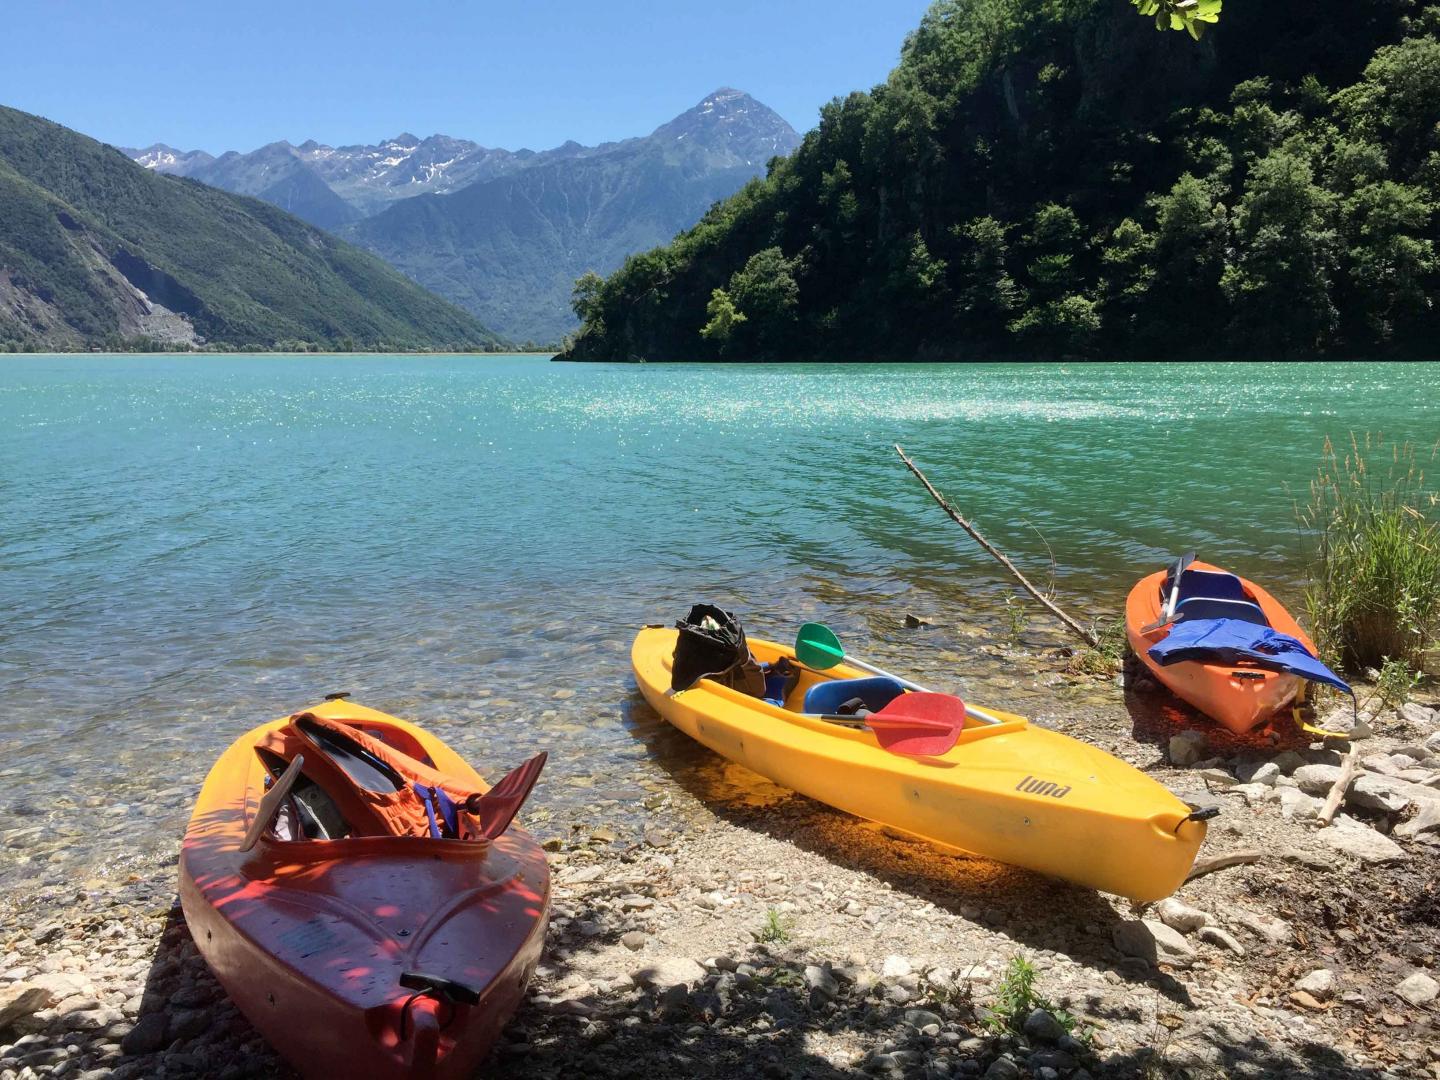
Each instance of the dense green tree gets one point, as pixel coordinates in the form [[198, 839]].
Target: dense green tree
[[1049, 178], [724, 317], [1279, 285]]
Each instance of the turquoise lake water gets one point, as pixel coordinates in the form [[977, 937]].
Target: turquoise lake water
[[193, 545]]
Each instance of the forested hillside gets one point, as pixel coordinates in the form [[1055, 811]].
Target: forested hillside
[[96, 251], [1056, 179]]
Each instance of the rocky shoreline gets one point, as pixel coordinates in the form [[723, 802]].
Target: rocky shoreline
[[743, 930]]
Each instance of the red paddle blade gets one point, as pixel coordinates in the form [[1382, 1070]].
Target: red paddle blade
[[498, 806], [919, 725]]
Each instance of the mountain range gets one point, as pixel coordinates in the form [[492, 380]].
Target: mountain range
[[504, 234], [97, 252]]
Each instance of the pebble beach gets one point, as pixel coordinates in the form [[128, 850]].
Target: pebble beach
[[734, 928]]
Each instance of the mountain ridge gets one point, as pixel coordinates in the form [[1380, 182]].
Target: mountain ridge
[[509, 249], [97, 251]]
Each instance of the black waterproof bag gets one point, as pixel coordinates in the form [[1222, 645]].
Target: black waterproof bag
[[712, 645]]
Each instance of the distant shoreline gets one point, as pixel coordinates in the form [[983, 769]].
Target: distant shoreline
[[201, 353]]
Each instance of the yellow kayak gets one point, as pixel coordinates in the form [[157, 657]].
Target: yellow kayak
[[1009, 791]]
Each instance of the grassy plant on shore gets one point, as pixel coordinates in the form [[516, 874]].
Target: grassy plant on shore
[[1016, 615], [1015, 999], [1396, 682], [1105, 657], [1374, 589], [776, 928]]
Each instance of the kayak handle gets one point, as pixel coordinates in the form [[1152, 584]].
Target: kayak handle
[[456, 993], [1205, 813]]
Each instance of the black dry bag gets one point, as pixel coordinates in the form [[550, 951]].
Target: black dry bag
[[712, 645]]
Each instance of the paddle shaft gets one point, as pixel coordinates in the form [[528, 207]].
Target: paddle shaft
[[1167, 612], [978, 714]]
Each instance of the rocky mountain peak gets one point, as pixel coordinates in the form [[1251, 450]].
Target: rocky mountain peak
[[732, 122]]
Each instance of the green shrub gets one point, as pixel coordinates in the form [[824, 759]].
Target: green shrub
[[1374, 593], [1015, 999]]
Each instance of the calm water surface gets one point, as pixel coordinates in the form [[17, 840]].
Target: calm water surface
[[190, 546]]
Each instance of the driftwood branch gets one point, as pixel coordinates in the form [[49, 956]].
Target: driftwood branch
[[1337, 792], [1086, 634], [1223, 862]]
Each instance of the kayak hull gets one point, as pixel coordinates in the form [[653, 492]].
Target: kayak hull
[[309, 938], [1239, 697], [1012, 792]]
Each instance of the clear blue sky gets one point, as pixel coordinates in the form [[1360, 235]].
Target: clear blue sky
[[235, 74]]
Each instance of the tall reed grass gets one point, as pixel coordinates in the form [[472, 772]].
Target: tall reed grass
[[1374, 592]]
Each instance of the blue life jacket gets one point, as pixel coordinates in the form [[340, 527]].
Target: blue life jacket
[[1227, 641]]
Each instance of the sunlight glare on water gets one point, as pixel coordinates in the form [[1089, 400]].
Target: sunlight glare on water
[[191, 546]]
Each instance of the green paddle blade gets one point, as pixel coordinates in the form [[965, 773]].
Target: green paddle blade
[[816, 646]]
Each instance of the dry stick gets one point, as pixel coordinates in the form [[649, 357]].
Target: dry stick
[[1223, 862], [1337, 793], [1088, 636]]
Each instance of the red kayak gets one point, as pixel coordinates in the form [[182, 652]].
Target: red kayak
[[360, 893]]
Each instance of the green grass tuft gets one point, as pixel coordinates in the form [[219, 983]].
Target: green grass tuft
[[776, 928]]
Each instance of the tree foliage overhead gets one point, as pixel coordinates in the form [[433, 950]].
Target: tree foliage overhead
[[1050, 178]]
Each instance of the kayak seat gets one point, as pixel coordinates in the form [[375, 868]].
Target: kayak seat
[[1212, 584], [1208, 607], [876, 691]]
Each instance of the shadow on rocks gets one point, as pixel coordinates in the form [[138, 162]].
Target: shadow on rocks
[[1039, 912], [186, 1026], [767, 1015]]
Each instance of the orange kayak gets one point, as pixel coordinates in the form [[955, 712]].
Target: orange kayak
[[375, 928], [1239, 696]]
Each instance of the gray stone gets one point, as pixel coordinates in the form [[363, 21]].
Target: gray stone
[[1383, 764], [1375, 793], [1412, 712], [820, 979], [670, 971], [1419, 989], [1275, 931], [920, 1019], [1153, 941], [1363, 843], [634, 940], [1254, 794], [1002, 1068], [1188, 747], [1432, 743], [1319, 984], [1261, 772], [147, 1036], [894, 966], [20, 1001], [1297, 806], [1426, 821], [1180, 916], [1316, 779], [1287, 761], [61, 984], [1218, 777], [1224, 939], [1041, 1025]]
